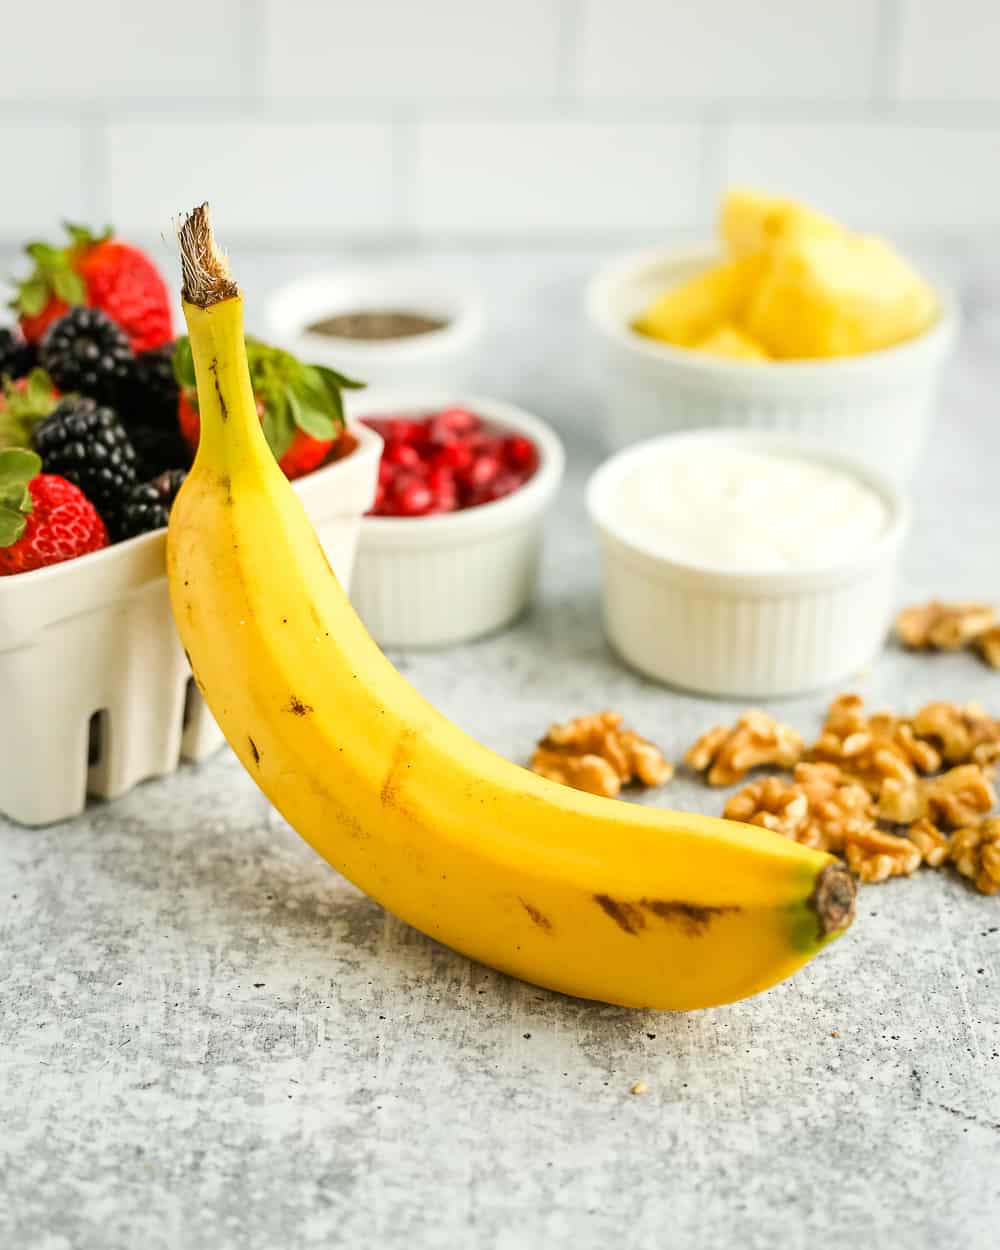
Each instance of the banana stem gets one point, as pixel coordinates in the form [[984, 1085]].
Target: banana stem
[[213, 310]]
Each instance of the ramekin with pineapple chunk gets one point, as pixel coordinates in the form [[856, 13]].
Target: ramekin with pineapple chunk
[[789, 323]]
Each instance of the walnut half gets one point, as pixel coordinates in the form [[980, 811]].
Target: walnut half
[[728, 752], [975, 852], [938, 626], [594, 753]]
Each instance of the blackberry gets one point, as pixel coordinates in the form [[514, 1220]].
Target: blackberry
[[88, 445], [17, 358], [148, 504], [86, 351], [148, 408]]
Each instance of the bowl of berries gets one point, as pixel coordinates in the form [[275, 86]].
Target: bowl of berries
[[98, 426], [450, 549]]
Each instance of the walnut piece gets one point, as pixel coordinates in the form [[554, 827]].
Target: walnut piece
[[594, 753], [989, 646], [728, 753], [772, 804], [874, 855], [933, 845], [870, 749], [962, 734], [941, 626], [975, 852], [820, 808], [961, 796]]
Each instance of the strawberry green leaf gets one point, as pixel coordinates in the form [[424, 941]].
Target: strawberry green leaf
[[278, 424], [69, 286], [83, 236], [12, 525], [183, 362], [32, 297], [19, 465], [338, 381]]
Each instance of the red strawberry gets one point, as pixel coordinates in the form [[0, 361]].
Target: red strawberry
[[43, 518], [100, 271], [299, 405]]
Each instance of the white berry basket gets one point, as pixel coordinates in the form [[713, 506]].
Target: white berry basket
[[97, 691], [876, 407]]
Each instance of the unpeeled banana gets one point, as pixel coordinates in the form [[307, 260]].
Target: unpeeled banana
[[590, 896]]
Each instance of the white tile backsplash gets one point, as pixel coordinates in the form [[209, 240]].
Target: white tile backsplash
[[266, 179], [40, 191], [875, 173], [948, 50], [388, 49], [64, 50], [728, 49], [554, 177], [330, 119]]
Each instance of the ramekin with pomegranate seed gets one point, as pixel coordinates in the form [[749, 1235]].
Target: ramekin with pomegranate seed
[[450, 550]]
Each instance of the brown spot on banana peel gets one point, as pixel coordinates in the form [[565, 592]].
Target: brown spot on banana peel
[[625, 915], [629, 917], [834, 899], [254, 751], [537, 917], [297, 707], [213, 369], [695, 917], [397, 764]]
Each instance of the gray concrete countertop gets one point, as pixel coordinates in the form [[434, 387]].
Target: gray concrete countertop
[[208, 1038]]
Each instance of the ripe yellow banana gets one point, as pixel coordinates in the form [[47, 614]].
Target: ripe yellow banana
[[590, 896]]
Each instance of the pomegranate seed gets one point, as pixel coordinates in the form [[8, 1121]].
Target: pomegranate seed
[[402, 454], [403, 430], [415, 499], [519, 452], [460, 420], [482, 471], [503, 484], [456, 456], [386, 472]]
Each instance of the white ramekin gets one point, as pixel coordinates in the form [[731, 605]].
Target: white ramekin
[[444, 357], [757, 635], [94, 638], [876, 407], [430, 581]]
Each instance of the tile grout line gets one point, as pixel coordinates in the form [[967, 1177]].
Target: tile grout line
[[885, 59]]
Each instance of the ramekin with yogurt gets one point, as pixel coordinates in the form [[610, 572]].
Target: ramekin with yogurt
[[738, 563]]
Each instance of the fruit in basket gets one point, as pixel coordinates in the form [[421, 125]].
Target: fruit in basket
[[102, 272], [751, 221], [796, 284], [590, 896], [44, 519], [733, 342], [17, 356], [149, 411], [299, 405], [837, 296], [23, 404], [148, 505], [85, 351], [87, 444], [687, 313], [447, 461]]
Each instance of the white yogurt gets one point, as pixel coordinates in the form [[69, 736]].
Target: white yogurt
[[737, 510]]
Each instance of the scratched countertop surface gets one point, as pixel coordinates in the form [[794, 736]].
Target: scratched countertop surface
[[209, 1038]]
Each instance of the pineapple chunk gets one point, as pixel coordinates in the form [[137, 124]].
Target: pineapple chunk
[[687, 313], [751, 221], [837, 296], [729, 341]]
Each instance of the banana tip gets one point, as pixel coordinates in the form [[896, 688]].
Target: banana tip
[[834, 898]]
